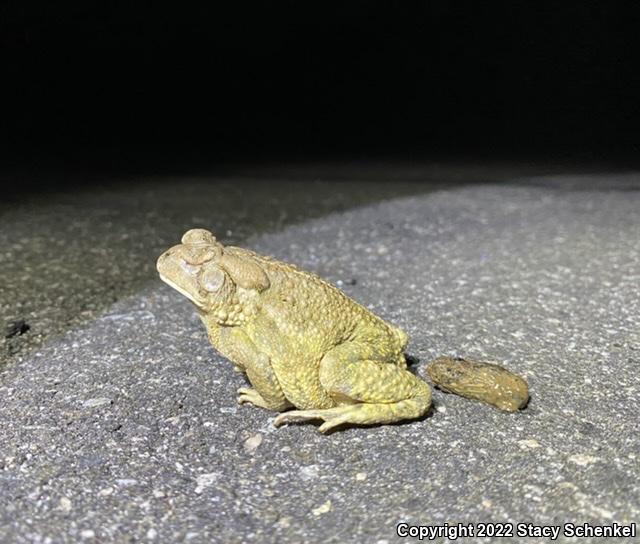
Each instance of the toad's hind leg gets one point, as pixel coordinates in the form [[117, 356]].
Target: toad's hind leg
[[366, 392]]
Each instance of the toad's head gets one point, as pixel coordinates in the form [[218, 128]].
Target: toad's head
[[214, 278]]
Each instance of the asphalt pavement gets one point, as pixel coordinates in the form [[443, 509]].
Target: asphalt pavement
[[118, 421]]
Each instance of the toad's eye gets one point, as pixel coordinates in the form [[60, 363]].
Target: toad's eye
[[212, 278]]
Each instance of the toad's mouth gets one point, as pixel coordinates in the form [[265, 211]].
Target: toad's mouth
[[198, 302]]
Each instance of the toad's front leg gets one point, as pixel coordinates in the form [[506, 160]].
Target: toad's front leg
[[266, 393]]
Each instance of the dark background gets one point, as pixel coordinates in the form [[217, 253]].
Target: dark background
[[136, 87]]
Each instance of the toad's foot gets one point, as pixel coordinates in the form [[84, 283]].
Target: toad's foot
[[330, 417], [250, 395], [362, 413]]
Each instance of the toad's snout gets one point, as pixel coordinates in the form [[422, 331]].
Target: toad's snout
[[162, 260]]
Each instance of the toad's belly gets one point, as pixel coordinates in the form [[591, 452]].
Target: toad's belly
[[301, 385]]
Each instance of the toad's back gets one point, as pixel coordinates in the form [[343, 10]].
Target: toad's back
[[310, 312]]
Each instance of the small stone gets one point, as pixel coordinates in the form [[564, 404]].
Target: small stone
[[152, 534], [205, 480], [583, 460], [322, 509], [87, 533], [309, 472], [126, 482], [361, 476], [251, 444], [528, 444], [284, 522], [93, 403], [65, 504], [105, 492]]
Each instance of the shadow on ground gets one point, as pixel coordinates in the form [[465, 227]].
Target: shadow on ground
[[72, 249]]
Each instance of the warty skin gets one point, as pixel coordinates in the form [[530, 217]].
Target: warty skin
[[307, 349]]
